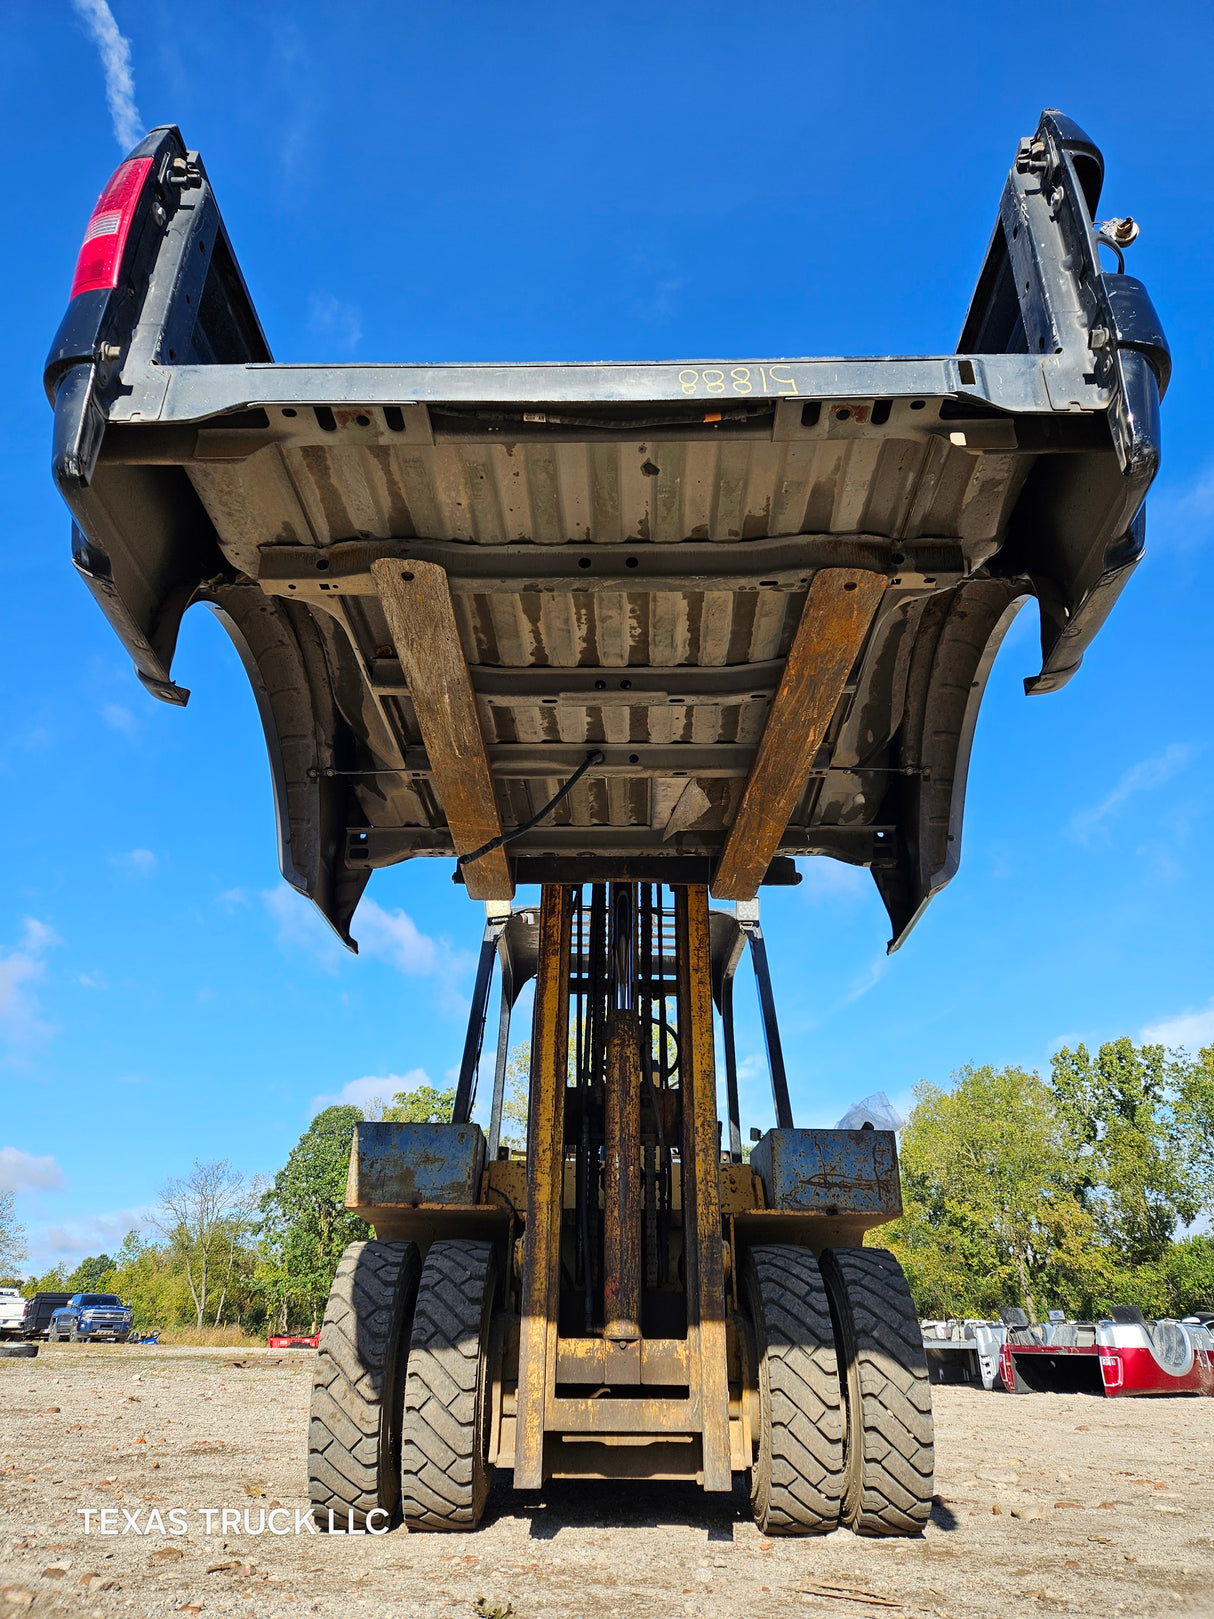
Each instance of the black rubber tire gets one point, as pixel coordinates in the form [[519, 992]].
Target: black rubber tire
[[74, 1337], [444, 1473], [358, 1386], [18, 1351], [889, 1461], [796, 1480]]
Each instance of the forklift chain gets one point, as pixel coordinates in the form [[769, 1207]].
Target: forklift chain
[[888, 1467], [444, 1474], [354, 1432], [795, 1481]]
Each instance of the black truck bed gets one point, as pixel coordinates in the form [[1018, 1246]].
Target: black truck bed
[[623, 557]]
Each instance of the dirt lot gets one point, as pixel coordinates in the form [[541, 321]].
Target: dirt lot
[[1047, 1504]]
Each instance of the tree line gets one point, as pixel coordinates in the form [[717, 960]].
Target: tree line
[[1091, 1188], [235, 1252]]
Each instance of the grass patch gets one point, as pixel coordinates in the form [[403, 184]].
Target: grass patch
[[210, 1338]]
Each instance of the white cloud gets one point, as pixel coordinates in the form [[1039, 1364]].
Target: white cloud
[[232, 900], [1189, 1029], [38, 936], [22, 1172], [135, 862], [394, 937], [868, 979], [86, 1234], [1183, 516], [300, 926], [115, 53], [1198, 498], [19, 1021], [372, 1087], [337, 323], [389, 936], [827, 879], [1139, 778], [120, 719]]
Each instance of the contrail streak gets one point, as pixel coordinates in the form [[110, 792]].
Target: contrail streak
[[115, 52]]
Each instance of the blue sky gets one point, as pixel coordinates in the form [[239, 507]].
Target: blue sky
[[474, 182]]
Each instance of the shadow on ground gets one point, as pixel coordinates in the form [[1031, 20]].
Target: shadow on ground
[[598, 1504]]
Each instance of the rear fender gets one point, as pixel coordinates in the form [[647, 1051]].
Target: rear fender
[[958, 637], [284, 658]]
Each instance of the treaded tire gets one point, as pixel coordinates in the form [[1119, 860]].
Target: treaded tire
[[444, 1474], [796, 1481], [358, 1387], [18, 1351], [887, 1473]]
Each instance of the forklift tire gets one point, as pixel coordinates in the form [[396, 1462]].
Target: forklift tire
[[796, 1480], [358, 1387], [889, 1451], [444, 1473]]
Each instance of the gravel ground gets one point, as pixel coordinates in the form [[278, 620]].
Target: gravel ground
[[1047, 1504]]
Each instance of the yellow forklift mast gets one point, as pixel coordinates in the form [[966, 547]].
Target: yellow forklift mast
[[626, 1298]]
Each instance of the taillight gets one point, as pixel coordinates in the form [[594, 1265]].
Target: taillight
[[108, 227]]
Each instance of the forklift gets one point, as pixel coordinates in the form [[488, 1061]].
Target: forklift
[[627, 1298], [639, 636]]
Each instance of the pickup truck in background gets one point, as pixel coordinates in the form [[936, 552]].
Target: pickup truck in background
[[12, 1312], [89, 1316]]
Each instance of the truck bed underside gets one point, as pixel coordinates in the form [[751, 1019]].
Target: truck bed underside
[[647, 561]]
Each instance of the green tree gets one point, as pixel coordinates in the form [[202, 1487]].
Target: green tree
[[1189, 1275], [515, 1097], [1194, 1112], [12, 1234], [1132, 1169], [205, 1216], [305, 1226], [151, 1276], [424, 1104], [92, 1275], [987, 1174]]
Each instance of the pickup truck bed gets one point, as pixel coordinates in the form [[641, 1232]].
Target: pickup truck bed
[[454, 585]]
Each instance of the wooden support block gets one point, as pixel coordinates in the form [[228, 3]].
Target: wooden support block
[[417, 603], [545, 1162], [837, 615], [703, 1256]]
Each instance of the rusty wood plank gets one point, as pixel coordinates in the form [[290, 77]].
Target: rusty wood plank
[[704, 1264], [642, 1414], [584, 1360], [416, 599], [545, 1179], [836, 618], [622, 1181]]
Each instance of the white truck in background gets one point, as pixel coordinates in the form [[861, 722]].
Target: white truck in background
[[12, 1312]]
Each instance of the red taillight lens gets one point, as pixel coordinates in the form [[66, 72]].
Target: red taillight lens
[[105, 238]]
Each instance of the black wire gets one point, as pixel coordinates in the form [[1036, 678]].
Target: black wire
[[595, 757], [764, 406]]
